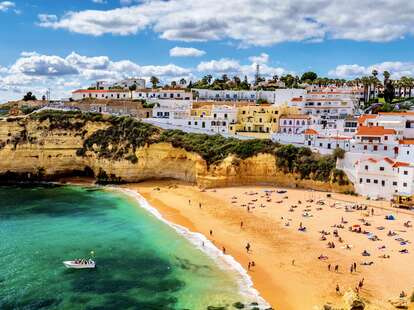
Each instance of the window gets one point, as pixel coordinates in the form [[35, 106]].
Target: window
[[405, 172], [385, 138], [385, 148], [394, 183], [366, 167], [368, 181], [383, 183], [405, 184], [196, 123], [375, 181], [189, 123], [382, 168], [225, 115], [375, 147], [365, 147], [360, 180]]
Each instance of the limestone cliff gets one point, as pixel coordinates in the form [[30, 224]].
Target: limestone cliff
[[40, 147]]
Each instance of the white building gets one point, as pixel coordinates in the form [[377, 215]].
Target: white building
[[157, 94], [326, 143], [101, 94], [217, 120], [172, 109], [327, 103], [383, 178], [127, 83], [294, 123], [278, 96]]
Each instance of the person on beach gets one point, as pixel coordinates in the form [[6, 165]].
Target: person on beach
[[248, 247], [352, 268], [372, 211], [355, 266], [199, 205], [224, 250], [241, 224], [189, 202], [211, 232], [329, 267], [336, 268], [337, 289], [248, 266], [293, 262]]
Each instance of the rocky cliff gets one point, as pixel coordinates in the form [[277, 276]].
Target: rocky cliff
[[41, 148]]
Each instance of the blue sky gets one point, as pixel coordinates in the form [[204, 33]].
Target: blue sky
[[67, 44]]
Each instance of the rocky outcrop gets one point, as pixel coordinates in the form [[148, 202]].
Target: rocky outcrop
[[33, 146]]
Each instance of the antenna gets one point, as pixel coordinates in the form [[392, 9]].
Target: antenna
[[257, 76]]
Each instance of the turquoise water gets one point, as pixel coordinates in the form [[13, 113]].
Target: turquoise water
[[142, 263]]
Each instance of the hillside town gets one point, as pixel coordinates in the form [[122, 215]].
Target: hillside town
[[374, 135]]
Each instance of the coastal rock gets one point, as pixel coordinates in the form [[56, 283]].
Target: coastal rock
[[33, 147]]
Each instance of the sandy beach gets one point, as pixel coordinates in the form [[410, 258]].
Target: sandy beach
[[291, 266]]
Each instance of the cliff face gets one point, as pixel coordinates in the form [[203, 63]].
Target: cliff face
[[33, 146]]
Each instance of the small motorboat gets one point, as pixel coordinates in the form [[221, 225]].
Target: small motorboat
[[80, 264]]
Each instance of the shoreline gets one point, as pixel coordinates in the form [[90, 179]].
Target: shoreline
[[306, 284], [201, 242]]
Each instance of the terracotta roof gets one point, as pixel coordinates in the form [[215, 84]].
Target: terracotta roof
[[396, 113], [296, 99], [364, 117], [311, 131], [388, 160], [406, 141], [400, 164], [374, 131], [100, 91]]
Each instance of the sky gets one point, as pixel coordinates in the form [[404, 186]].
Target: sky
[[65, 45]]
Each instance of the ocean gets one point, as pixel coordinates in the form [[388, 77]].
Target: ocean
[[142, 261]]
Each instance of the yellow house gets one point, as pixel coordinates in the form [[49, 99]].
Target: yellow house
[[261, 120], [201, 111]]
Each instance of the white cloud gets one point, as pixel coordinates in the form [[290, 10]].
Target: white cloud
[[36, 72], [261, 59], [6, 5], [99, 1], [396, 68], [186, 52], [250, 22], [43, 65], [233, 67]]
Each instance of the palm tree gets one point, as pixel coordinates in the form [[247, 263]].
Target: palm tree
[[410, 81], [374, 80], [366, 81], [154, 81], [386, 75]]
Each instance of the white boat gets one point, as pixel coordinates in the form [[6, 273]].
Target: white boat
[[80, 264]]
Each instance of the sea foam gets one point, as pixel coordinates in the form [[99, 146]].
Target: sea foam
[[224, 261]]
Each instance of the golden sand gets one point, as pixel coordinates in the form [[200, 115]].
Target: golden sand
[[288, 273]]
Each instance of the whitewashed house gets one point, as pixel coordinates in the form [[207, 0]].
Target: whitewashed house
[[383, 178], [101, 94], [162, 94]]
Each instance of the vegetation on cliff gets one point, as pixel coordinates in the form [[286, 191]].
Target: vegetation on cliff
[[124, 135]]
